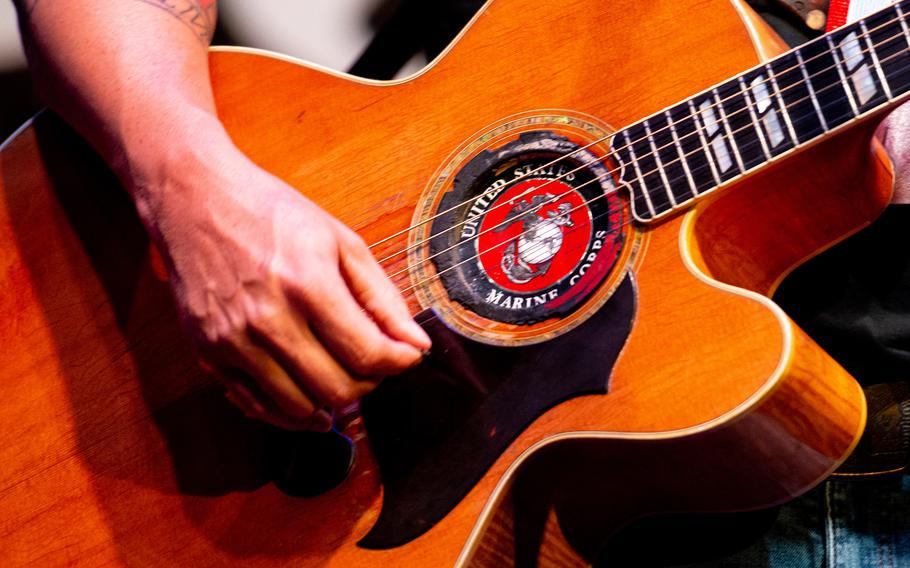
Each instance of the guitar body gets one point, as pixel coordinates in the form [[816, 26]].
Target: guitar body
[[117, 450]]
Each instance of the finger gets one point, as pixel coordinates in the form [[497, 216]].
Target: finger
[[276, 390], [320, 421], [236, 392], [348, 332], [244, 399], [250, 400], [377, 294], [240, 392], [308, 362]]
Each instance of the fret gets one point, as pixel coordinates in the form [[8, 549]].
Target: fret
[[658, 163], [888, 33], [811, 90], [719, 107], [781, 107], [840, 73], [668, 159], [733, 108], [903, 22], [752, 107], [799, 99], [704, 142], [875, 62], [650, 197], [677, 155], [642, 190], [713, 130], [692, 148], [771, 119], [857, 66], [646, 161], [823, 74], [683, 161]]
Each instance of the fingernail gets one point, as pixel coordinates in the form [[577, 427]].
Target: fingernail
[[420, 337], [419, 360], [321, 421]]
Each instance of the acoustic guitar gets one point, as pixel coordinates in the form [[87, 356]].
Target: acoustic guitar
[[587, 207]]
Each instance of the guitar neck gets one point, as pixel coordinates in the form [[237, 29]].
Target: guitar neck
[[672, 158]]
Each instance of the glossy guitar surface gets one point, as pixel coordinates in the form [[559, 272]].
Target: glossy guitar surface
[[669, 383]]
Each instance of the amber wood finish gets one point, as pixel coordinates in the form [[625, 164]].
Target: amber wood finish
[[116, 450], [769, 203]]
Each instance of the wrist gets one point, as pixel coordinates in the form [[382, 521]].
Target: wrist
[[167, 165]]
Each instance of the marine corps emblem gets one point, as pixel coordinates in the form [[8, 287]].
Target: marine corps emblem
[[528, 231], [539, 241]]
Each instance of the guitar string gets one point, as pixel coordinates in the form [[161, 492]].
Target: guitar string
[[439, 274], [747, 108], [411, 290], [393, 276], [457, 205], [614, 190], [670, 124]]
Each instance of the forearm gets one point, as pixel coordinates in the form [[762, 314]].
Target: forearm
[[131, 76], [286, 305]]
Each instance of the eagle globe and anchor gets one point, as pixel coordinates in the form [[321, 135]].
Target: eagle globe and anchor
[[529, 256]]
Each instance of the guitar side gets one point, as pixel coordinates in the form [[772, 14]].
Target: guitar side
[[115, 442]]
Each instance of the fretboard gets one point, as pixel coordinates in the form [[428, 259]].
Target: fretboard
[[675, 156]]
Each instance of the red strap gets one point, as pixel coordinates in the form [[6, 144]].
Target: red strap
[[837, 14]]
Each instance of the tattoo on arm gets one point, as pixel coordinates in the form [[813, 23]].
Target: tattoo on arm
[[198, 15]]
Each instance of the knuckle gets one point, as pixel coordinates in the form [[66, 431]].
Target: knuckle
[[356, 242], [263, 317], [213, 330], [216, 336], [341, 394], [310, 285], [353, 244], [355, 236], [376, 299], [367, 359]]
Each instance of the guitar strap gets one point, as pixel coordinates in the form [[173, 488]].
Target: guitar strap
[[841, 12]]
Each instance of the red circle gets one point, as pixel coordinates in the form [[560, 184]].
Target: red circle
[[496, 236]]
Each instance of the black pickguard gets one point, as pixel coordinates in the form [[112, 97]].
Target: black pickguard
[[436, 429]]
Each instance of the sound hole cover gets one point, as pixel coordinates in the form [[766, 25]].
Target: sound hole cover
[[526, 240]]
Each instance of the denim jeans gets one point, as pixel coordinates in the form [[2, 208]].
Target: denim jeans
[[839, 524]]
